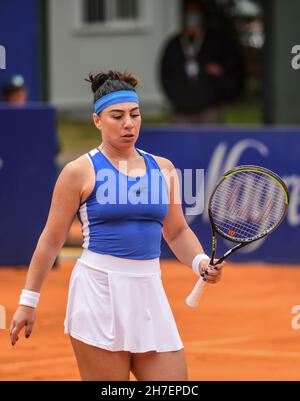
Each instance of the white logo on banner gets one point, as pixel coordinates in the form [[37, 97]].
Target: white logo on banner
[[295, 323], [293, 184], [2, 58]]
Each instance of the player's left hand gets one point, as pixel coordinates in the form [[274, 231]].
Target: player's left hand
[[210, 274]]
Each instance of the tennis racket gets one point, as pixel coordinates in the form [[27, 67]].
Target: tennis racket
[[248, 203]]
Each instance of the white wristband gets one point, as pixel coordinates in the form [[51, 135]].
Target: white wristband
[[29, 298], [197, 259]]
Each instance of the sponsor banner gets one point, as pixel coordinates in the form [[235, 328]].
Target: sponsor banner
[[27, 177], [218, 150]]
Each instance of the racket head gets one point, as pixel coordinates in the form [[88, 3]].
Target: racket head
[[248, 203]]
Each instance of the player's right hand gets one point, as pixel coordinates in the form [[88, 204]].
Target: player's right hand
[[211, 274], [23, 317]]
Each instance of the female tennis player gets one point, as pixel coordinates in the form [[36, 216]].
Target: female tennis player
[[118, 316]]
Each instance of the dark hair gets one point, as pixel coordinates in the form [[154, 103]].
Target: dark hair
[[103, 83], [195, 4], [13, 83]]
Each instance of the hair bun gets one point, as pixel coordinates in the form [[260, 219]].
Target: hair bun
[[97, 80]]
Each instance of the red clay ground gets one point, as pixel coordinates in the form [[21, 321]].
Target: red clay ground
[[241, 330]]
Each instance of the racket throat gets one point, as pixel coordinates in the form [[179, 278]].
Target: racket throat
[[226, 254], [230, 251]]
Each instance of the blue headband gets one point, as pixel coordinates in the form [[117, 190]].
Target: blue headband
[[115, 97]]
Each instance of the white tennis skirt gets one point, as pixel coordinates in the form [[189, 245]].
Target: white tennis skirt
[[120, 305]]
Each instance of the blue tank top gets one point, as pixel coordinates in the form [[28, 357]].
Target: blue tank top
[[123, 215]]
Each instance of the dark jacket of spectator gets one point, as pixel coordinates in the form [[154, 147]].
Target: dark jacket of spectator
[[189, 83]]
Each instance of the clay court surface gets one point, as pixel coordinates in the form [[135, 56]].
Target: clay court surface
[[241, 331]]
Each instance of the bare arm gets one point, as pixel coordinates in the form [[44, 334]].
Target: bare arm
[[64, 205], [65, 202], [176, 232]]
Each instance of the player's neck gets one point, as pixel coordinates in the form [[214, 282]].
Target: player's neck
[[118, 154]]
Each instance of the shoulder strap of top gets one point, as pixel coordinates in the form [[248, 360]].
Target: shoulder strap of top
[[95, 158], [150, 158]]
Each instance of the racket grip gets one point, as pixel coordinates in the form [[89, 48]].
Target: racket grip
[[195, 295]]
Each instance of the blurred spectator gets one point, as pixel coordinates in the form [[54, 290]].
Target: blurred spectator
[[200, 70], [14, 90]]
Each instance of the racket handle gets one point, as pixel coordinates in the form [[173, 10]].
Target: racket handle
[[195, 295]]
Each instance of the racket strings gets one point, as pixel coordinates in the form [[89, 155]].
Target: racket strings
[[249, 218], [260, 189], [254, 191], [247, 204], [238, 206]]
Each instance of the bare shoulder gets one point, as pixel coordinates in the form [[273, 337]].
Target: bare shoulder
[[76, 171], [164, 163], [80, 165]]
